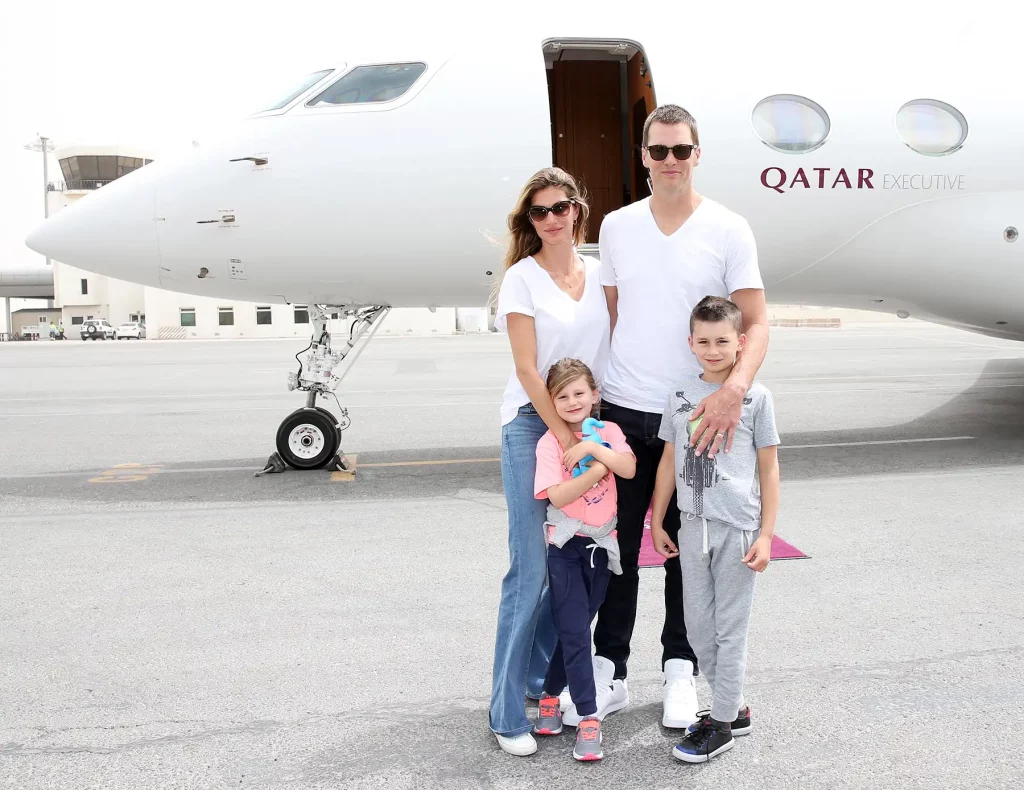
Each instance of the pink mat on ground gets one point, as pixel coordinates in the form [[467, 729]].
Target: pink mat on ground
[[649, 558]]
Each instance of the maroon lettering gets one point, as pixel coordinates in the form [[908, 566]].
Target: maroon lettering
[[821, 176], [842, 177], [864, 176], [800, 176], [781, 179]]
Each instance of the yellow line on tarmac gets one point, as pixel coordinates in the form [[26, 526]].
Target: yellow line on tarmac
[[350, 474], [435, 463]]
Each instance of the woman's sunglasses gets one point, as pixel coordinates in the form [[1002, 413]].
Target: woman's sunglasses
[[560, 209], [680, 152]]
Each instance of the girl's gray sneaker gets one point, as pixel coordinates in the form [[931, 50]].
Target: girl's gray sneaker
[[549, 722], [588, 741]]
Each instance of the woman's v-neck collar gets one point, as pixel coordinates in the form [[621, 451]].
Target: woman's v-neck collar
[[550, 279]]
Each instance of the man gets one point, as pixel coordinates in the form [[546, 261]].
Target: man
[[659, 257]]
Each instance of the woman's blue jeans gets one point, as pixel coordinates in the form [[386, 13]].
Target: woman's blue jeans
[[526, 630]]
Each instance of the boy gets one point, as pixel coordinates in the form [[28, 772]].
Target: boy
[[729, 505]]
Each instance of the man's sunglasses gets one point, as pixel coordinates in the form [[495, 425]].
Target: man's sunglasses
[[560, 209], [680, 152]]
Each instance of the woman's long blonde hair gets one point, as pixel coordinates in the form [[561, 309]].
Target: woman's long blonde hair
[[524, 240]]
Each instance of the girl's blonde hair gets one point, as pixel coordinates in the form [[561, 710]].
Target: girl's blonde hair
[[524, 240], [566, 371]]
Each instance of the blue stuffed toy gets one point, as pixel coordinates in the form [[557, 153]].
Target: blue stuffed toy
[[590, 434]]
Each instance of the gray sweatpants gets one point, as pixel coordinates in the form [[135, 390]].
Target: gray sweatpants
[[718, 591]]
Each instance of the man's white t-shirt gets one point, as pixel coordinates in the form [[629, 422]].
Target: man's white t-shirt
[[564, 327], [660, 279]]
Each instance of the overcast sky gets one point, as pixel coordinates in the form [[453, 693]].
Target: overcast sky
[[157, 75]]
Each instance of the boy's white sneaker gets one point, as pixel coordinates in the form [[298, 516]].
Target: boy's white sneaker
[[679, 694], [520, 745], [612, 694]]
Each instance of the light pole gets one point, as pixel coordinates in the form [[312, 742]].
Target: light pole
[[45, 145]]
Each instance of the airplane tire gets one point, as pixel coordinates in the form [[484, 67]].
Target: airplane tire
[[308, 438]]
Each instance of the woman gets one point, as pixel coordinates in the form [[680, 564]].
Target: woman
[[551, 304]]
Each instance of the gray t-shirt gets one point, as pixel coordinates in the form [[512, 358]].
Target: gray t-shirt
[[725, 488]]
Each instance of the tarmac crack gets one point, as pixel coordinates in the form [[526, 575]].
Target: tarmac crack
[[13, 749], [399, 712]]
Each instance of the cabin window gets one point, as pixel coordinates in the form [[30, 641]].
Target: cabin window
[[791, 124], [187, 316], [931, 127], [226, 316], [369, 84], [263, 316]]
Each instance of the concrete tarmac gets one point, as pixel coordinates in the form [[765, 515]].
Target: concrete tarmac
[[167, 620]]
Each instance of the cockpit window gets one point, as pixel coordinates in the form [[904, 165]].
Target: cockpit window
[[366, 84], [307, 82]]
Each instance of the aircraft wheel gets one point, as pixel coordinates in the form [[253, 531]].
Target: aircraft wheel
[[330, 416], [308, 438]]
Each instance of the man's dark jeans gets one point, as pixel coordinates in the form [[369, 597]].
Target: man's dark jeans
[[617, 615]]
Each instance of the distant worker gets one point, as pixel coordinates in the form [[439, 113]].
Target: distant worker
[[53, 331]]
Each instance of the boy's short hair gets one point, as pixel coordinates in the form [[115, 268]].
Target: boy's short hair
[[712, 309]]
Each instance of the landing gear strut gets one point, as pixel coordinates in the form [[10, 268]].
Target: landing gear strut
[[310, 437]]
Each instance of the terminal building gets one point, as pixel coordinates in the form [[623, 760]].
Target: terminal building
[[74, 295]]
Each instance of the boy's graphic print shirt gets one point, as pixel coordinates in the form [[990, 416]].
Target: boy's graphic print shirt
[[724, 488]]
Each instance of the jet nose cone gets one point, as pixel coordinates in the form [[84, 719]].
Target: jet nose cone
[[109, 231], [37, 240]]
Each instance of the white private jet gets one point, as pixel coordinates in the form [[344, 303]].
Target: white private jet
[[876, 173]]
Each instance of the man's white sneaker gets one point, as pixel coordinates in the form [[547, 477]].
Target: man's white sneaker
[[612, 695], [565, 700], [679, 694], [520, 745]]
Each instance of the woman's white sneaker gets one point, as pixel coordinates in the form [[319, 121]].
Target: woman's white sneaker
[[679, 695], [520, 745]]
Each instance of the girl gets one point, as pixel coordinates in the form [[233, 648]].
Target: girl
[[551, 304], [582, 548]]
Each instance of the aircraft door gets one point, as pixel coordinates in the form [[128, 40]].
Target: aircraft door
[[601, 92]]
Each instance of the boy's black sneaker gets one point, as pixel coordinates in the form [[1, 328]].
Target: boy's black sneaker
[[708, 739], [740, 726]]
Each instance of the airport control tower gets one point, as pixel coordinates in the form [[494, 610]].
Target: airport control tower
[[79, 295]]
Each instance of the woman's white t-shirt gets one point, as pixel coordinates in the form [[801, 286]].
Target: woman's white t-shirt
[[564, 327]]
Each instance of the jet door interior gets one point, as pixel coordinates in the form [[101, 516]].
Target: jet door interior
[[600, 92]]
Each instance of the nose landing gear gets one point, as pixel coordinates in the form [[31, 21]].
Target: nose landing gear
[[310, 437]]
